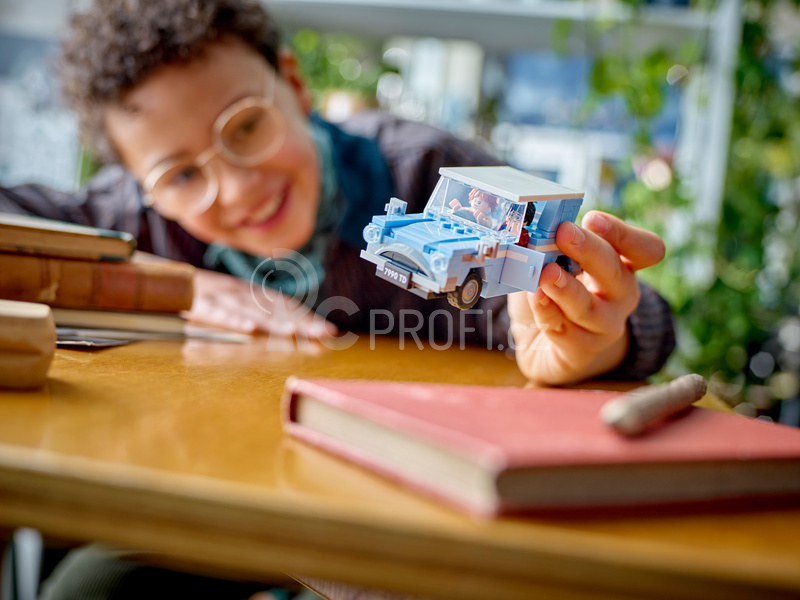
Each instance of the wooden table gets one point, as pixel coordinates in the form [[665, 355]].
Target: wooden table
[[176, 448]]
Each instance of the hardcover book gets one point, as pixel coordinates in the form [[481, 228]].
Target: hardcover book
[[493, 450], [166, 323], [138, 285], [23, 234]]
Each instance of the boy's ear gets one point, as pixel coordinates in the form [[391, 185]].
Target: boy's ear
[[289, 70]]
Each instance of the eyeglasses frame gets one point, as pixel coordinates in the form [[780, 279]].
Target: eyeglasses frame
[[217, 148]]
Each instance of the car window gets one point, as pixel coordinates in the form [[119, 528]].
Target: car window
[[511, 222], [471, 206]]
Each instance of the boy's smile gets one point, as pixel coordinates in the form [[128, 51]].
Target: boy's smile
[[268, 212], [170, 116]]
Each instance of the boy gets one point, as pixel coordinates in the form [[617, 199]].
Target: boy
[[217, 160]]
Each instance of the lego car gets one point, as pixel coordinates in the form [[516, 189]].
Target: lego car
[[485, 232]]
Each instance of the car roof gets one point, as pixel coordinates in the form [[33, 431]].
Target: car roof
[[510, 183]]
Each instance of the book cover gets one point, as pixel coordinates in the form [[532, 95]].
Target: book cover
[[492, 450], [120, 321], [23, 234], [132, 326], [137, 285]]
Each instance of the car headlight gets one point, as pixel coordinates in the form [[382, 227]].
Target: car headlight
[[439, 262], [373, 234]]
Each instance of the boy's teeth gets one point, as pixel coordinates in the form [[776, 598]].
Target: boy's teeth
[[266, 212]]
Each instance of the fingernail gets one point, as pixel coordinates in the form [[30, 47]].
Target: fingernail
[[578, 237], [561, 282], [598, 223], [543, 301]]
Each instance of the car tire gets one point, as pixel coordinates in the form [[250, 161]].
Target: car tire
[[468, 293]]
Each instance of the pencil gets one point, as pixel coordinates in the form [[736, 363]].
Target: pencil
[[638, 411]]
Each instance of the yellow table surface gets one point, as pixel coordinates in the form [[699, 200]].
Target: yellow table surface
[[176, 448]]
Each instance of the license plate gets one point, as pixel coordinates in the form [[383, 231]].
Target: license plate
[[396, 275]]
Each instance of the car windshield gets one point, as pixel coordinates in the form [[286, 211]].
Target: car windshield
[[472, 206]]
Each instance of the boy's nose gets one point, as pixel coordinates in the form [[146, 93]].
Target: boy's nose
[[237, 184]]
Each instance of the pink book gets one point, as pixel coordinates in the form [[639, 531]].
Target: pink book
[[492, 450]]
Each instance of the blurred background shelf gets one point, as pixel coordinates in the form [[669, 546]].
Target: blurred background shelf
[[506, 28], [497, 25], [457, 53]]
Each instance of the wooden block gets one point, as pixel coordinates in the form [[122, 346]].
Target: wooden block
[[27, 343]]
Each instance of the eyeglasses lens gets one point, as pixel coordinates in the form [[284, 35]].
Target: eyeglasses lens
[[250, 134], [182, 186]]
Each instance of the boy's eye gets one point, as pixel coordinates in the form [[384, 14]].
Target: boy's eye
[[247, 132], [240, 130], [246, 128], [181, 176]]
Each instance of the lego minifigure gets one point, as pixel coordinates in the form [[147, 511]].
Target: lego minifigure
[[481, 203]]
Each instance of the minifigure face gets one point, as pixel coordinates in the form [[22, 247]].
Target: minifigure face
[[514, 221], [170, 116], [479, 203]]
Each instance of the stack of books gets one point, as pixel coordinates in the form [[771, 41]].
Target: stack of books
[[93, 278]]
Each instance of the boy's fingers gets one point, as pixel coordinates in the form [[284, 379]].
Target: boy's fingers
[[573, 301], [533, 314], [547, 314], [640, 248], [319, 328], [598, 258]]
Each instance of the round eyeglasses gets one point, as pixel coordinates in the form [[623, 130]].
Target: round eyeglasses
[[245, 134]]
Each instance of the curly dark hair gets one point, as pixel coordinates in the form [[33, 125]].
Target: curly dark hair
[[116, 44]]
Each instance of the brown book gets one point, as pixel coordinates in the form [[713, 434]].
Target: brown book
[[139, 285], [24, 234]]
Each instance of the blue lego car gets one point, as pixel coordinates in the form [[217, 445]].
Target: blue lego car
[[486, 231]]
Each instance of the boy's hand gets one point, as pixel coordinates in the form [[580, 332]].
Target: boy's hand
[[576, 328], [225, 301]]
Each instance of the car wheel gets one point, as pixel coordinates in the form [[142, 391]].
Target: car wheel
[[467, 294]]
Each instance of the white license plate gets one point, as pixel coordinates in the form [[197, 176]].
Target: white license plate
[[396, 275]]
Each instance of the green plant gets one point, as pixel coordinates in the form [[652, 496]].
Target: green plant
[[757, 260], [338, 61], [725, 316]]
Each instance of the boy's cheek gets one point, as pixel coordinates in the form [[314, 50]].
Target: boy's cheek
[[204, 229]]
